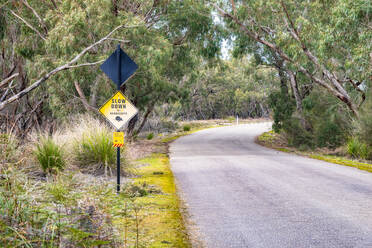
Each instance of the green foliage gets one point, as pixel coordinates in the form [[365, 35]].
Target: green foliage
[[364, 123], [357, 149], [186, 128], [330, 121], [329, 134], [283, 107], [228, 88], [150, 136], [94, 150], [49, 155], [296, 134]]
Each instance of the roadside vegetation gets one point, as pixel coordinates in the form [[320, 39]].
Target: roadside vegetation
[[305, 64], [59, 190], [344, 155], [63, 193]]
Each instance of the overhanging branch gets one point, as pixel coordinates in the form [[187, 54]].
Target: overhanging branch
[[66, 66]]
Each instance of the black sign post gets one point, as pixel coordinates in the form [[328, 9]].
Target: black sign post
[[118, 148], [119, 67]]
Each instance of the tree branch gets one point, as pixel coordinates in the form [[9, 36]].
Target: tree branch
[[56, 70], [295, 34], [120, 40], [339, 92], [28, 25], [233, 6], [37, 16], [6, 80], [356, 86], [54, 4], [85, 64], [83, 99]]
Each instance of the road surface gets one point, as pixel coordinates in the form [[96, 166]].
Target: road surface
[[240, 194]]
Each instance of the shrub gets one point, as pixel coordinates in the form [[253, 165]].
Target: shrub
[[186, 128], [150, 136], [49, 155], [364, 123], [282, 106], [357, 149], [296, 134], [329, 134]]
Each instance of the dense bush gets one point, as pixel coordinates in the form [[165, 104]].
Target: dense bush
[[296, 135], [364, 123], [49, 155], [328, 123], [283, 107], [329, 134]]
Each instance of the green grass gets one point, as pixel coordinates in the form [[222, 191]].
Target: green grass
[[270, 139], [49, 155], [343, 161], [267, 137]]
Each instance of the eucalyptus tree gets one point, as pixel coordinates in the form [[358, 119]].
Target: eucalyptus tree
[[51, 51], [228, 88], [326, 43]]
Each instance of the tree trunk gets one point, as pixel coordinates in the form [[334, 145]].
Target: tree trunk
[[150, 108], [293, 81]]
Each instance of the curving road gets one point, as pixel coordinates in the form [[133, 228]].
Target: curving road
[[240, 194]]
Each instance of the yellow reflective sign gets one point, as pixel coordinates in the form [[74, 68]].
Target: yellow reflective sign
[[118, 110], [118, 140]]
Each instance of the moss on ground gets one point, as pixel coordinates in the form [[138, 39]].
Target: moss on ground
[[343, 161], [273, 140], [163, 222]]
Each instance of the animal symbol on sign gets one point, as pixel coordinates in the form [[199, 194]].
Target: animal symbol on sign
[[118, 118]]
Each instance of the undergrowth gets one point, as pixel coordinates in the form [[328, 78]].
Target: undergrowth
[[73, 208], [355, 148]]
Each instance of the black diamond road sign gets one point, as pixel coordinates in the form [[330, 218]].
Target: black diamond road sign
[[127, 67]]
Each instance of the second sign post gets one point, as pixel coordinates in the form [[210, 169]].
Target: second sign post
[[118, 110]]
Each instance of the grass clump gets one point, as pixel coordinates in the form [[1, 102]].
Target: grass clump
[[357, 149], [49, 155], [94, 150], [92, 147], [186, 128], [150, 136]]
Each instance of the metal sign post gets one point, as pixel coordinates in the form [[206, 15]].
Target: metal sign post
[[118, 110], [118, 148]]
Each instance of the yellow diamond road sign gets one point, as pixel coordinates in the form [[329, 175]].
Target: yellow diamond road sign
[[118, 110]]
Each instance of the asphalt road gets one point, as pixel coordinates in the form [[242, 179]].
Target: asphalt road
[[240, 194]]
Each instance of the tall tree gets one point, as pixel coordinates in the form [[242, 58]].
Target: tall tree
[[309, 38]]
